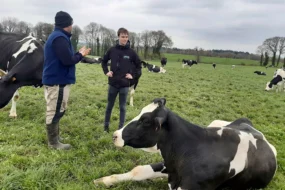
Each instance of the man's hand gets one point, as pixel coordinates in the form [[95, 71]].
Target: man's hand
[[129, 76], [84, 51], [110, 74]]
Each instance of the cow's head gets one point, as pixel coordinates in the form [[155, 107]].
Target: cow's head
[[27, 71], [144, 64], [143, 130]]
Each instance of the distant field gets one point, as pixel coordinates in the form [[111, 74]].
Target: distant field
[[217, 60], [200, 95]]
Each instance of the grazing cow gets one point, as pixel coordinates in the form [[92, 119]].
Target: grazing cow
[[153, 68], [21, 64], [214, 65], [163, 61], [260, 72], [188, 62], [91, 60], [224, 155], [278, 79]]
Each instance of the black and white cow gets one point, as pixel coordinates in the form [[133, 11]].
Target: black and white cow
[[163, 61], [188, 62], [278, 80], [153, 68], [91, 60], [224, 155], [21, 64], [259, 72], [133, 85]]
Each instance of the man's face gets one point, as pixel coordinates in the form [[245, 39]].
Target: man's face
[[123, 39]]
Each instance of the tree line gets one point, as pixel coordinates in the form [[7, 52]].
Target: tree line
[[272, 49], [96, 36]]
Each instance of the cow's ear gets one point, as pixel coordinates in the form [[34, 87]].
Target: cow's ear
[[160, 101], [2, 73]]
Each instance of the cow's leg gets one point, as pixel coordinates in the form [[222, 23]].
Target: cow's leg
[[139, 173], [13, 111], [132, 92]]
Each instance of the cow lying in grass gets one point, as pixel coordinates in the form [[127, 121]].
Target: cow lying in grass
[[224, 155], [153, 68], [91, 60]]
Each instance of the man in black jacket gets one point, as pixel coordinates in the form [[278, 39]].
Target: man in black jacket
[[125, 65]]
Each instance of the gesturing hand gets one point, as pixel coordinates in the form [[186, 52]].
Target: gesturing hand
[[84, 51]]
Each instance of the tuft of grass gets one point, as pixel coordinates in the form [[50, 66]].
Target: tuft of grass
[[200, 95]]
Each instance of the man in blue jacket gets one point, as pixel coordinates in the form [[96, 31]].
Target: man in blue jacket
[[125, 66], [58, 75]]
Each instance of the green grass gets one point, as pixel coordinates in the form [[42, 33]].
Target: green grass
[[200, 94], [204, 59]]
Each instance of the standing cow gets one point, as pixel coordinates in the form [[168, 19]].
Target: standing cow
[[224, 155], [163, 61], [21, 64], [189, 63]]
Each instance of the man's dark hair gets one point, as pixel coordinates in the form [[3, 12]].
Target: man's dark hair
[[122, 31]]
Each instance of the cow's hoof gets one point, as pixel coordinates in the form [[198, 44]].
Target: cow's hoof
[[13, 115], [103, 180]]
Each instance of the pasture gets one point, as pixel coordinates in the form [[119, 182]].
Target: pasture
[[210, 60], [200, 94]]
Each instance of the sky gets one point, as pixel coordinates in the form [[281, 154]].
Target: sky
[[239, 25]]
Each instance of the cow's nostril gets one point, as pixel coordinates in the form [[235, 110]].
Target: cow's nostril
[[114, 137]]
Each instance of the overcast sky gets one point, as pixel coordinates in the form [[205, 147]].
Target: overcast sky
[[211, 24]]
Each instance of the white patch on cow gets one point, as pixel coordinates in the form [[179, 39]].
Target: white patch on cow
[[139, 173], [153, 149], [8, 65], [30, 36], [23, 48], [218, 123], [153, 66], [240, 159], [13, 111], [169, 186], [32, 48], [118, 140], [179, 188], [220, 132]]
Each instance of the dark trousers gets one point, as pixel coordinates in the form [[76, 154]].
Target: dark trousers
[[112, 94]]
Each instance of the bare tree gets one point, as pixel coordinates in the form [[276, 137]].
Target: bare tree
[[132, 38], [1, 27], [159, 40], [24, 27], [266, 60], [76, 32], [138, 41], [260, 50], [146, 42], [281, 48], [271, 44], [43, 30], [9, 24], [91, 32]]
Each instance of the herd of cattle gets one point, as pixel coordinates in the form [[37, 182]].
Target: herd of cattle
[[192, 155]]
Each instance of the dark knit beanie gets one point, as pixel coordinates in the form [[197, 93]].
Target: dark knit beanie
[[63, 19]]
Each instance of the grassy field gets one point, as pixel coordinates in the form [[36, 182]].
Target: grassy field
[[200, 94], [210, 60]]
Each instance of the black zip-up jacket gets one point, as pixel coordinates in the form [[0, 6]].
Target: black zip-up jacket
[[123, 60]]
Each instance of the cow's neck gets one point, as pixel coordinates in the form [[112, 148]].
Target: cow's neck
[[176, 134]]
